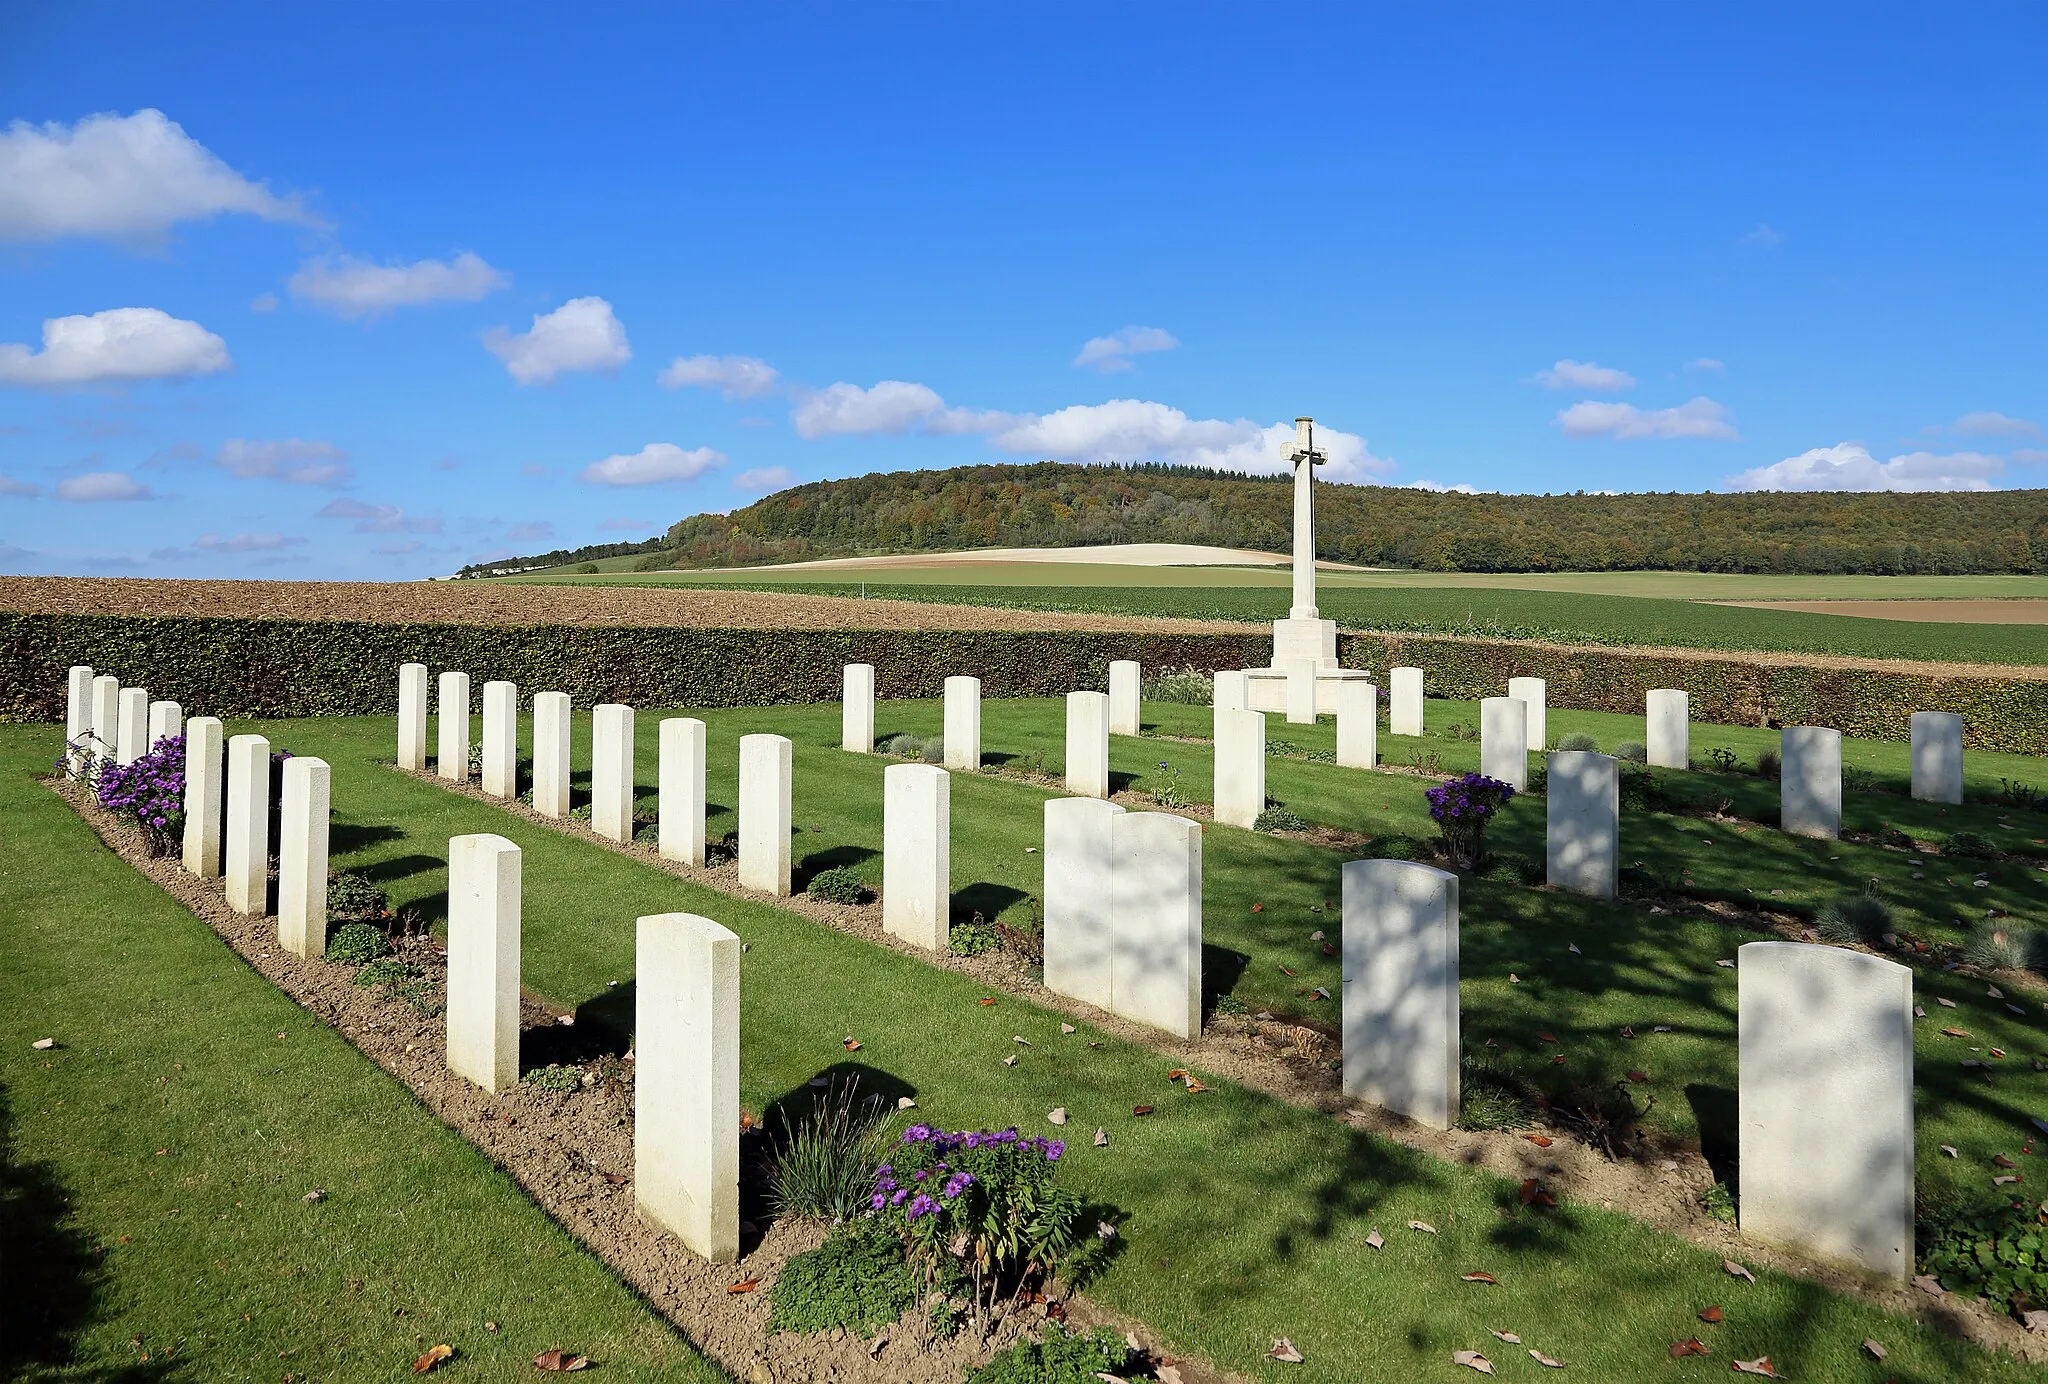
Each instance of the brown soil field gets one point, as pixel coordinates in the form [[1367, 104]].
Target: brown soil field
[[2016, 610], [488, 603]]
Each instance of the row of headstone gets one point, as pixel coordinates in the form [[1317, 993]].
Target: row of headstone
[[104, 719]]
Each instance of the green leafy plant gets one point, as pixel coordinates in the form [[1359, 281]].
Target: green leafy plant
[[2024, 796], [825, 1162], [1186, 686], [385, 970], [1492, 1096], [1578, 740], [857, 1281], [1640, 788], [1512, 867], [839, 885], [1165, 786], [1632, 752], [1970, 844], [353, 944], [1279, 819], [1399, 847], [1857, 779], [554, 1077], [973, 937], [2004, 944], [1638, 881], [1462, 807], [1889, 835], [1864, 918], [934, 750], [351, 897], [1999, 1252], [1723, 760], [1718, 1201], [1062, 1357], [903, 746], [1231, 1004]]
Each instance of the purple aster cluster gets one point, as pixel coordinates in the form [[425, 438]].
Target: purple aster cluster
[[151, 789], [1468, 797]]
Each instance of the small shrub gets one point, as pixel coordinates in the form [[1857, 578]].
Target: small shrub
[[1722, 759], [554, 1077], [1165, 788], [385, 970], [1512, 867], [1399, 848], [1185, 686], [1998, 1251], [588, 569], [1061, 1358], [1279, 819], [1719, 1202], [351, 896], [1857, 779], [1578, 740], [1889, 835], [857, 1281], [903, 746], [1537, 785], [150, 789], [1639, 882], [2006, 944], [1231, 1004], [1861, 918], [1491, 1096], [1462, 730], [1632, 752], [826, 1165], [934, 751], [354, 944], [1767, 765], [839, 885], [1462, 807], [1969, 844], [1640, 788], [2024, 796], [973, 937]]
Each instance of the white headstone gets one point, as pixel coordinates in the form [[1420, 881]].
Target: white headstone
[[484, 879], [501, 739], [611, 772], [1077, 898], [1240, 767], [1504, 740], [963, 723], [1404, 701], [1400, 983], [1124, 679], [1533, 693], [248, 832], [302, 856], [1155, 912], [1582, 837], [1358, 724], [857, 712], [131, 726], [1088, 716], [412, 716], [679, 806], [106, 714], [1826, 1123], [1937, 756], [764, 812], [1668, 727], [551, 753], [1230, 690], [166, 722], [205, 795], [1810, 781], [686, 1082], [451, 717], [1301, 691], [917, 854], [77, 714]]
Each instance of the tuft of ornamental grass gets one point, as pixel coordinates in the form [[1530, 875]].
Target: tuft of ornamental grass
[[1854, 918], [2006, 945], [903, 746], [1184, 686], [1579, 740], [1634, 751], [826, 1163]]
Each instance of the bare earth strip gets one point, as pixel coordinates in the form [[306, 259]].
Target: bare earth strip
[[2020, 611]]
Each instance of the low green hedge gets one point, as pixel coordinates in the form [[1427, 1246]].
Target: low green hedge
[[281, 668]]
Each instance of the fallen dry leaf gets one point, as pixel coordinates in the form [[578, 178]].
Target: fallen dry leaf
[[1102, 1139], [1661, 1028], [1472, 1360], [1535, 1193], [1068, 1028], [1287, 971], [1539, 1140], [317, 1194], [1480, 1276], [905, 1103], [1950, 1150], [1316, 936], [1514, 979], [433, 1358], [1736, 1270], [2002, 1161], [1761, 1365], [1195, 1087], [1729, 964], [1057, 1115], [1689, 1346], [1546, 1037], [1557, 1061], [559, 1361], [1258, 908], [1998, 1052], [2005, 1181], [746, 1286], [1994, 992], [1877, 1351], [1930, 1285], [1956, 1032], [1375, 1239], [1510, 1337], [1141, 1110], [1627, 1032], [1638, 1076], [1710, 1314], [43, 1044], [1424, 1226], [1168, 1374], [1283, 1350], [1020, 1040], [1175, 1074], [1573, 948], [850, 1044], [1011, 1060], [1544, 1360], [1944, 1003]]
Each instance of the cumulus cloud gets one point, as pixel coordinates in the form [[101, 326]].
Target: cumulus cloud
[[1990, 424], [26, 489], [118, 344], [351, 287], [1112, 353], [1850, 466], [892, 406], [94, 487], [762, 479], [1461, 488], [582, 334], [1583, 374], [523, 533], [244, 543], [655, 464], [1765, 236], [736, 377], [290, 459], [1705, 363], [1141, 430], [2031, 456], [377, 518], [1700, 417], [397, 547], [127, 177]]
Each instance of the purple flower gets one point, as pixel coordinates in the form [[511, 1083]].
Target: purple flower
[[897, 1200], [958, 1183], [923, 1206], [1054, 1149]]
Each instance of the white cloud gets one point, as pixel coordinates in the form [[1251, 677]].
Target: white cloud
[[10, 486], [1989, 424], [525, 533], [1705, 363], [1461, 488], [1113, 352], [397, 547], [1850, 466], [129, 177], [118, 344], [377, 518], [892, 406], [1765, 236], [2031, 456], [655, 464], [244, 542], [263, 302], [1583, 374], [1700, 417], [762, 479], [582, 334], [1140, 430], [351, 287], [736, 377], [289, 459], [96, 486]]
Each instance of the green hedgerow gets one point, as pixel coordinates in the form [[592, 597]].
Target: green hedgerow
[[1855, 918], [840, 885], [1578, 740], [356, 943], [1061, 1358], [1279, 819], [351, 896], [858, 1281]]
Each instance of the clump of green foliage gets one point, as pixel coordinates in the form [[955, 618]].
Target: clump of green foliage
[[1491, 1095], [1640, 882], [1970, 844], [353, 944], [1857, 779], [1723, 760], [857, 1281], [1852, 918], [840, 885], [1462, 730], [1165, 786], [588, 569], [825, 1164], [1061, 1358], [2006, 945], [1767, 764], [385, 970], [1719, 1202], [1889, 835], [973, 937], [1231, 1004], [902, 746], [554, 1077], [1399, 847], [1188, 686], [1512, 867], [352, 897], [1632, 751], [1997, 1251], [1641, 790], [1279, 819], [934, 751], [1578, 740], [2024, 796]]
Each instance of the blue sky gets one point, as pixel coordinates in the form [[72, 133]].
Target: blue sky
[[377, 291]]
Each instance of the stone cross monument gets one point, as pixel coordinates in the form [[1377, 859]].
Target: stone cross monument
[[1305, 458]]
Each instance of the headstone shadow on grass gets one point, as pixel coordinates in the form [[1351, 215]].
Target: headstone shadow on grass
[[831, 858], [1715, 1110], [396, 868], [989, 900], [346, 838], [1221, 970]]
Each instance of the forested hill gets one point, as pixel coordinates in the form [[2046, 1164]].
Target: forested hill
[[1051, 504]]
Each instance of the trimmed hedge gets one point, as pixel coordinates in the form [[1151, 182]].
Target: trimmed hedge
[[283, 668]]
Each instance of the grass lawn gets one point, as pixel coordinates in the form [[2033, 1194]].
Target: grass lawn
[[1245, 1218], [153, 1165]]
